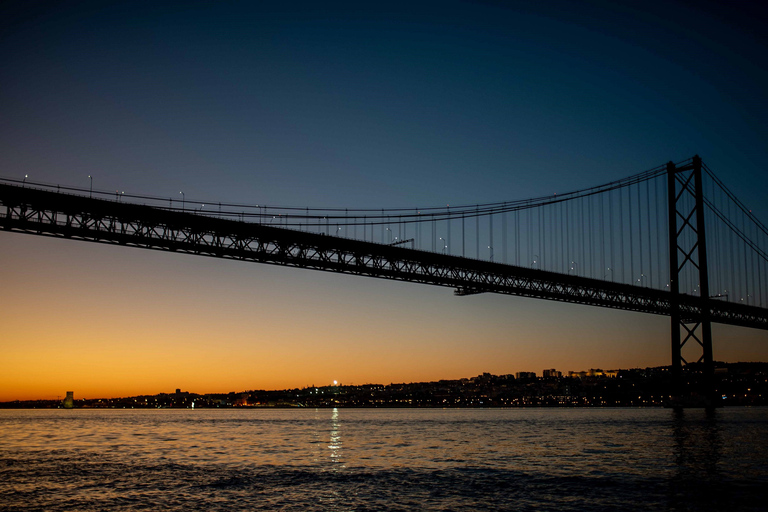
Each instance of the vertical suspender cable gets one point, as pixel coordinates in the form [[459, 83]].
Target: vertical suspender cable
[[490, 236], [759, 271], [603, 270], [563, 245], [581, 239], [517, 237], [631, 240], [448, 222], [658, 252], [731, 278], [504, 234], [746, 268], [566, 227], [530, 234], [477, 232], [540, 235], [648, 223], [591, 272], [434, 233], [621, 230]]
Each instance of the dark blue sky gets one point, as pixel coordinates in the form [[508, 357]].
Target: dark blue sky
[[389, 104], [417, 103]]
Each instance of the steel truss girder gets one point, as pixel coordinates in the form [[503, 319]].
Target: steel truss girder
[[46, 213]]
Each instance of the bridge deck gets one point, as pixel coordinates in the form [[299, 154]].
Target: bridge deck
[[41, 212]]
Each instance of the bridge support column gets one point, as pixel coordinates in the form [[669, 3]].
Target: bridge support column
[[684, 204]]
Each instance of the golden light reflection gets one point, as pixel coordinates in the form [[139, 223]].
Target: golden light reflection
[[335, 444]]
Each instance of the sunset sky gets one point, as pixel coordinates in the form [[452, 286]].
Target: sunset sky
[[351, 105]]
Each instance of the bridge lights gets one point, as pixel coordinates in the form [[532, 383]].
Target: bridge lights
[[609, 269], [90, 190], [535, 260], [182, 200], [444, 244], [24, 181]]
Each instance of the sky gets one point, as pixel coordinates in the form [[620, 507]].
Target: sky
[[347, 105]]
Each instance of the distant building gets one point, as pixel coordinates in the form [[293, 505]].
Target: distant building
[[551, 374], [525, 375], [69, 401]]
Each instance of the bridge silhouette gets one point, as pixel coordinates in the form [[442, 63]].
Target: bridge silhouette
[[672, 241]]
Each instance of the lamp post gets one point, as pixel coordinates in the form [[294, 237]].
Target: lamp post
[[182, 200], [445, 246], [90, 189], [535, 260], [24, 181]]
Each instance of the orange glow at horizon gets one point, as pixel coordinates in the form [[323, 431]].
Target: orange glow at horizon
[[107, 321]]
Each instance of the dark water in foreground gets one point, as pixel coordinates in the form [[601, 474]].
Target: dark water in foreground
[[328, 459]]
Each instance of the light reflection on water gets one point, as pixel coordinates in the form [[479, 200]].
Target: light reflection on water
[[335, 443], [325, 459]]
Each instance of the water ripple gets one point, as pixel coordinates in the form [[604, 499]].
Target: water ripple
[[565, 460]]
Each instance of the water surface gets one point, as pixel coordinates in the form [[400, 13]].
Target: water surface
[[377, 459]]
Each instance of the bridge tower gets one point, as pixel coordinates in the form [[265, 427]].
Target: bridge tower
[[687, 238]]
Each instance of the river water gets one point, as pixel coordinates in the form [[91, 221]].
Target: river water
[[384, 459]]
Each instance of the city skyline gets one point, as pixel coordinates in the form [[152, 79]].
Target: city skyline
[[742, 383], [342, 106]]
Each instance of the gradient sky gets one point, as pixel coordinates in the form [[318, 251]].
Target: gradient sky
[[334, 104]]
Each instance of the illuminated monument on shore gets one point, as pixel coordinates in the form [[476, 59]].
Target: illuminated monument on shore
[[69, 401]]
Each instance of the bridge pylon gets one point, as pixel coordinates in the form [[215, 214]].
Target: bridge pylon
[[687, 239]]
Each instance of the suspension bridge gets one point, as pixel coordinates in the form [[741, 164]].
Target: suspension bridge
[[672, 240]]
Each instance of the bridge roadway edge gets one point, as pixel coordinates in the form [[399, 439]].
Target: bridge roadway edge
[[59, 215]]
